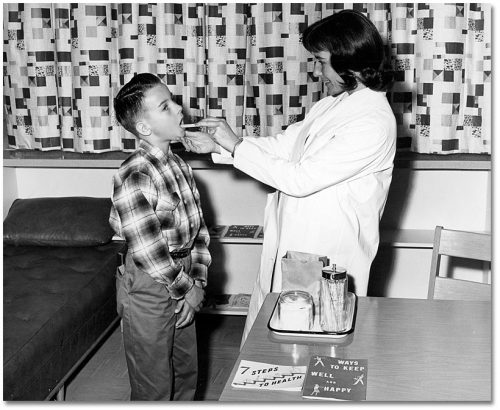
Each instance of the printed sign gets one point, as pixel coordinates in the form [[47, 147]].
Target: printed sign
[[332, 378], [266, 376]]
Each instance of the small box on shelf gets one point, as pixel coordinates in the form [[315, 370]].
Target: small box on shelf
[[237, 233]]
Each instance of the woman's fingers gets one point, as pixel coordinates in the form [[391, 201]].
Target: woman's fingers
[[197, 134], [218, 130], [200, 142]]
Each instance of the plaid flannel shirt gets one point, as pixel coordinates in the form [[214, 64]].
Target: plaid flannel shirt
[[156, 209]]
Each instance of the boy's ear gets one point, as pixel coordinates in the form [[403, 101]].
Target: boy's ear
[[142, 128]]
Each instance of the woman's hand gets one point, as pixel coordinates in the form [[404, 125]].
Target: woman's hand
[[220, 131], [199, 143]]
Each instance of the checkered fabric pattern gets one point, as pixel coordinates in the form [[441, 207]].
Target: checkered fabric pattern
[[441, 54], [64, 63]]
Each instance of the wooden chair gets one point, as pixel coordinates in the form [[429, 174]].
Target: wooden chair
[[468, 245]]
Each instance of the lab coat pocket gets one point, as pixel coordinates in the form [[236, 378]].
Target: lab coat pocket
[[167, 210]]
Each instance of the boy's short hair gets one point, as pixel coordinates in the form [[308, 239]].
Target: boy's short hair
[[128, 102]]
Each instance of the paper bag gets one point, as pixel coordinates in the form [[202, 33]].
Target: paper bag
[[302, 271]]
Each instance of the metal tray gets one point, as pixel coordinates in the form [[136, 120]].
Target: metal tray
[[315, 332]]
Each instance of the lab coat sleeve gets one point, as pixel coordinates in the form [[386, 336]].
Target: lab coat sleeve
[[354, 151], [279, 145]]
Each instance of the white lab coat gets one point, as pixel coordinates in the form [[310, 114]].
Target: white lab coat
[[331, 187]]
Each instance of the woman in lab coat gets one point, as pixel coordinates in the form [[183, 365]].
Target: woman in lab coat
[[332, 170]]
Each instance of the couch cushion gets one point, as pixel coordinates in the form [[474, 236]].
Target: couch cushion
[[65, 221]]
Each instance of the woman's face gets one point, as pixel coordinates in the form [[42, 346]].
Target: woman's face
[[323, 69]]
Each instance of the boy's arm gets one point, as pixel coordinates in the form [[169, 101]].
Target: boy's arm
[[200, 255], [141, 229]]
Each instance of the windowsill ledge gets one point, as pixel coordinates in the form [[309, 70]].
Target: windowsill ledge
[[61, 159]]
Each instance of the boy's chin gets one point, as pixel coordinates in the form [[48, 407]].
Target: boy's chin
[[178, 138], [178, 135]]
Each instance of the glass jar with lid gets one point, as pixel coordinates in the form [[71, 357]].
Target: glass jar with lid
[[333, 299]]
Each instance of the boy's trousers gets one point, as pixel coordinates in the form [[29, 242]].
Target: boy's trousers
[[162, 361]]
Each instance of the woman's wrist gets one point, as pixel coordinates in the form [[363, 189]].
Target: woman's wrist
[[240, 140]]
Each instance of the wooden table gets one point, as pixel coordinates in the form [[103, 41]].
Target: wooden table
[[417, 350]]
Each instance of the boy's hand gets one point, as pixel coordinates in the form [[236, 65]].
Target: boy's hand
[[185, 314], [187, 306], [200, 143]]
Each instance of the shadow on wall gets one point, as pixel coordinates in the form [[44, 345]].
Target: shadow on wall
[[383, 265], [217, 277], [225, 264]]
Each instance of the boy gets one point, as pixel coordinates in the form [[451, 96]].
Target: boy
[[156, 209]]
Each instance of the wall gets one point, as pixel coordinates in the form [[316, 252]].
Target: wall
[[418, 199], [9, 188], [422, 199]]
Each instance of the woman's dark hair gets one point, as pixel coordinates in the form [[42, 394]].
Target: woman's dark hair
[[355, 46], [128, 102]]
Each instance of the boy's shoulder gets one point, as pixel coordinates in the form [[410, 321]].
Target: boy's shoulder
[[137, 161], [144, 162], [135, 158]]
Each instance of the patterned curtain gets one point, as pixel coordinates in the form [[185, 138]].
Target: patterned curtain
[[441, 54], [63, 63]]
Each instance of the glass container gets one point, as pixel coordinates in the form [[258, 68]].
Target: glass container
[[333, 299], [295, 310]]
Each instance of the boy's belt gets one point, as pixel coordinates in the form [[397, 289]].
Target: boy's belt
[[180, 254]]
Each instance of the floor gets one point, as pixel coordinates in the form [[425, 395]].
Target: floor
[[104, 377]]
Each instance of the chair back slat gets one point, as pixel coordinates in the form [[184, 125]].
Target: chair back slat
[[469, 245], [461, 244], [454, 289]]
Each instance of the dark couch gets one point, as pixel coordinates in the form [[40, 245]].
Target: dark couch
[[59, 297]]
